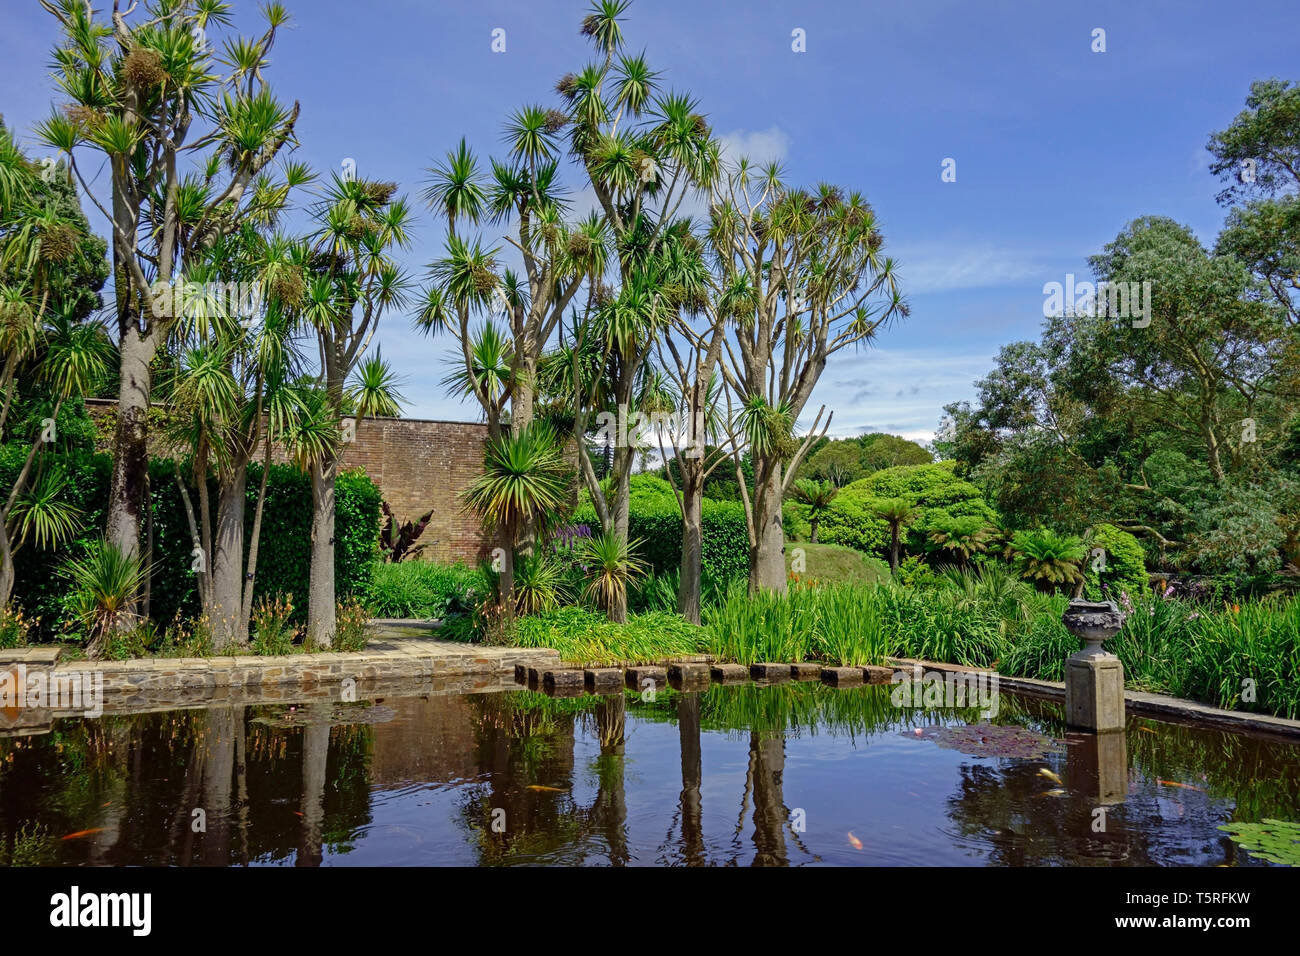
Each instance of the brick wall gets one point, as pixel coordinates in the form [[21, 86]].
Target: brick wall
[[419, 465]]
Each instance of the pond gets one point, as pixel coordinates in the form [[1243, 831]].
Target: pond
[[784, 775]]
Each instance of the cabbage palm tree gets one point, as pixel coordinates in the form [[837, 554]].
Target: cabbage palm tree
[[816, 497], [1049, 559], [352, 279], [898, 513], [189, 129], [524, 480], [611, 566]]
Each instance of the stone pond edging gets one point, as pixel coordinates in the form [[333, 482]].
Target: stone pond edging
[[1138, 703]]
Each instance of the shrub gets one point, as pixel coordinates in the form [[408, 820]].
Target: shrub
[[424, 589], [934, 490], [272, 632], [1125, 567], [658, 523], [583, 636], [284, 552], [349, 627], [14, 627]]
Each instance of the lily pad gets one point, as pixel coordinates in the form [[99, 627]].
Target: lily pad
[[1277, 841], [990, 740]]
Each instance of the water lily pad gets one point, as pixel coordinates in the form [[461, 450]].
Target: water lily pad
[[1277, 841], [990, 740]]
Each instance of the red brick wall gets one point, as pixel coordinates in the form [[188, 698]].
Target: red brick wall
[[419, 465]]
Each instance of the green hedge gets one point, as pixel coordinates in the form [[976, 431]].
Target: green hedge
[[284, 556], [658, 523], [1125, 572], [935, 491]]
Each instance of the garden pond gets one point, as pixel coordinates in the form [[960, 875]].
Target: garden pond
[[784, 775]]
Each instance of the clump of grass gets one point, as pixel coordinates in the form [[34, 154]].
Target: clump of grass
[[763, 627], [585, 637], [424, 589], [849, 626]]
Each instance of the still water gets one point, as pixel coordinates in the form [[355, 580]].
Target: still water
[[745, 775]]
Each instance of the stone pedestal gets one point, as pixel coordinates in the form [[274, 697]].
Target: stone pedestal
[[1094, 678]]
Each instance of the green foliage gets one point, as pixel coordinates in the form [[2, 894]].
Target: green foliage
[[584, 637], [1124, 564], [273, 634], [1277, 841], [350, 626], [284, 554], [658, 525], [104, 583], [934, 491], [612, 564], [1047, 558], [14, 627], [540, 583], [424, 589]]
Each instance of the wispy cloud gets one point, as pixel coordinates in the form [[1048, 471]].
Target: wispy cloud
[[963, 264]]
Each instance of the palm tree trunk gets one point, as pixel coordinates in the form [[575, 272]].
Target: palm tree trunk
[[767, 560], [130, 442], [320, 588]]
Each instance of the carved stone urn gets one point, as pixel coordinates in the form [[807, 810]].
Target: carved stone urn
[[1094, 677]]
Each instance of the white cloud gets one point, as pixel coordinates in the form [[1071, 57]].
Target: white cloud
[[962, 264], [900, 391], [759, 146]]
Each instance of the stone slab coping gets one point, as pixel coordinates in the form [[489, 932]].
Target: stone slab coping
[[1171, 709], [30, 655]]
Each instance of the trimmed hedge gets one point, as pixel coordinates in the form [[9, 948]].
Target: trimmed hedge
[[1125, 572], [284, 556], [934, 490], [658, 523]]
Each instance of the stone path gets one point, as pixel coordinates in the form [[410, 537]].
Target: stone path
[[398, 657]]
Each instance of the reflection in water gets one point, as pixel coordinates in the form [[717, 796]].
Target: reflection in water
[[691, 779]]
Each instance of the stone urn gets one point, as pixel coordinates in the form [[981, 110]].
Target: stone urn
[[1094, 678], [1093, 622]]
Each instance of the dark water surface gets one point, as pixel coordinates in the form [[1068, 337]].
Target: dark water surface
[[745, 775]]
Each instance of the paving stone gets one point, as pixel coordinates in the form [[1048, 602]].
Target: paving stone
[[842, 676], [729, 673], [636, 677], [769, 672], [805, 671]]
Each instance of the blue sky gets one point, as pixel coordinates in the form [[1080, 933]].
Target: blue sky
[[1056, 147]]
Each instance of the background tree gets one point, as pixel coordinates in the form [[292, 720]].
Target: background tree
[[352, 280], [816, 498], [143, 88], [898, 513], [815, 282], [51, 269]]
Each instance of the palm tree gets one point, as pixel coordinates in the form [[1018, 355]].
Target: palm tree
[[960, 536], [612, 565], [524, 480], [898, 513], [190, 131], [352, 279], [1049, 559], [105, 582], [816, 497]]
